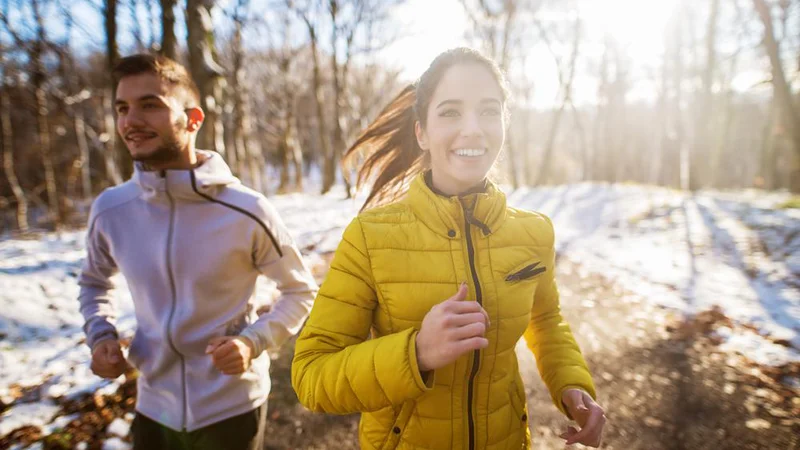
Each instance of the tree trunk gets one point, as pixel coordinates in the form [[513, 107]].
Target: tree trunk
[[206, 72], [120, 157], [677, 113], [566, 98], [783, 94], [8, 160], [110, 141], [137, 26], [83, 148], [723, 134], [251, 160], [660, 163], [339, 92], [38, 77], [582, 139], [703, 122], [169, 43], [329, 165], [505, 62], [237, 89], [297, 159], [110, 18]]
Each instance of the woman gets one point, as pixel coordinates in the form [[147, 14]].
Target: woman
[[427, 295]]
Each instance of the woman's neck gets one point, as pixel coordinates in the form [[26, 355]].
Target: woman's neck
[[452, 192]]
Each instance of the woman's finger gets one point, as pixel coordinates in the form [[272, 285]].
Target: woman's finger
[[477, 329], [592, 429]]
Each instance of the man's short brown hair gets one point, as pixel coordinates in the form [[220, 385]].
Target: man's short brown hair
[[165, 68]]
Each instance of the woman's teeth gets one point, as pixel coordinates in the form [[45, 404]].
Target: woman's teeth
[[470, 151]]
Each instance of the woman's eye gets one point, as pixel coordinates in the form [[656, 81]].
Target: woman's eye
[[490, 112], [449, 113]]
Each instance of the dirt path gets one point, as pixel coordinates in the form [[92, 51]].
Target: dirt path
[[663, 383]]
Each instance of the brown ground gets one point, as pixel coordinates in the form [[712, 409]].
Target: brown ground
[[662, 381]]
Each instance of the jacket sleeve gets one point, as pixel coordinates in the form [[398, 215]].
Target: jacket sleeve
[[276, 256], [336, 369], [96, 295], [549, 337]]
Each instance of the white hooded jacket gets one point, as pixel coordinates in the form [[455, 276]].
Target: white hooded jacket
[[191, 244]]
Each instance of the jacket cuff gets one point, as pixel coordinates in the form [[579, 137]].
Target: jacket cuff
[[425, 383], [105, 335], [579, 379], [259, 340]]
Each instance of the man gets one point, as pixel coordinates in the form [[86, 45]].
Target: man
[[190, 241]]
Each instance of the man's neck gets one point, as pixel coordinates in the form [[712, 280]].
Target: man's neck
[[188, 160]]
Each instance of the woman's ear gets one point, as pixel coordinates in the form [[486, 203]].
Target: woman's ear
[[422, 136]]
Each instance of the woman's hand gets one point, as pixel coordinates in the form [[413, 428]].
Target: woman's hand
[[450, 329], [589, 415]]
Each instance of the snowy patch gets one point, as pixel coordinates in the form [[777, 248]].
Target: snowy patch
[[735, 250]]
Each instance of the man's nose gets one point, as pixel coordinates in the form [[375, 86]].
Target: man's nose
[[132, 118]]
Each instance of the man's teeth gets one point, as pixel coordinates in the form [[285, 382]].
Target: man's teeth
[[139, 137], [471, 151]]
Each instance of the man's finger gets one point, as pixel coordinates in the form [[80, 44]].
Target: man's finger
[[224, 349], [232, 358], [232, 369], [113, 355], [215, 342]]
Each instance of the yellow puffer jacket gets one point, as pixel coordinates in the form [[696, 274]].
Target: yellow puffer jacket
[[357, 351]]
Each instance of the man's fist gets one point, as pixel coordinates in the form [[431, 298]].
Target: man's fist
[[231, 354], [107, 359]]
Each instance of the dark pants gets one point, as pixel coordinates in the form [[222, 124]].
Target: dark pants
[[243, 432]]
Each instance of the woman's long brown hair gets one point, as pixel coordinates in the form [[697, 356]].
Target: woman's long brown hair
[[389, 145]]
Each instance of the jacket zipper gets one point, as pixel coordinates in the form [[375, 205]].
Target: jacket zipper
[[174, 301], [476, 356]]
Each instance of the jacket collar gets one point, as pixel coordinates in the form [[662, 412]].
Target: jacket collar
[[207, 179], [446, 215]]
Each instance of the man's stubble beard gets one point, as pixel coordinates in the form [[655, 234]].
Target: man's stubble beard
[[169, 151]]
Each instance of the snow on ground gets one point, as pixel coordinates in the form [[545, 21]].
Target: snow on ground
[[734, 250]]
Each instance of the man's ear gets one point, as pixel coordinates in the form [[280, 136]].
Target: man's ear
[[422, 136], [195, 118]]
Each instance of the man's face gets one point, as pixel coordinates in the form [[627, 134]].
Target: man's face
[[152, 119]]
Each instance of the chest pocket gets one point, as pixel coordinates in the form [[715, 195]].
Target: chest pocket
[[517, 288], [526, 271]]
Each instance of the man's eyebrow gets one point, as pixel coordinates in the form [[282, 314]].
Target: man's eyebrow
[[140, 99]]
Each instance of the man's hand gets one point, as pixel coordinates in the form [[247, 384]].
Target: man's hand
[[589, 416], [107, 359], [231, 354]]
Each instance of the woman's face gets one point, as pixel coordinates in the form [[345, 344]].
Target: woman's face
[[465, 127]]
